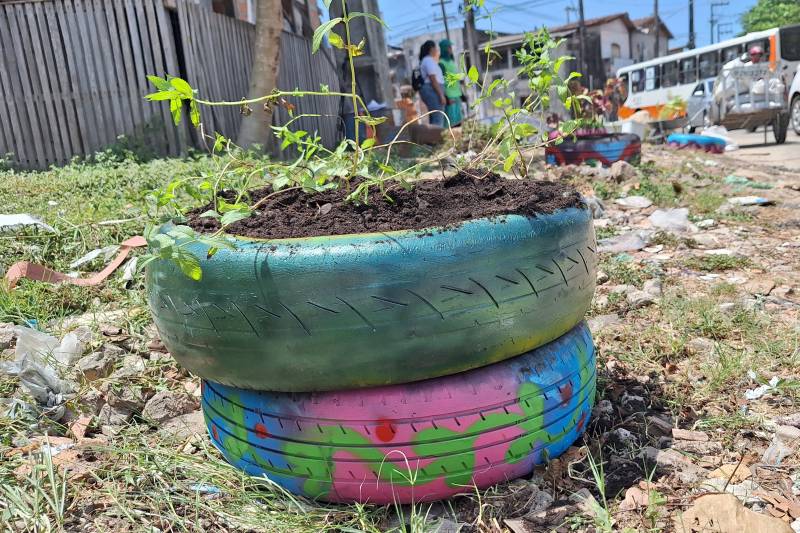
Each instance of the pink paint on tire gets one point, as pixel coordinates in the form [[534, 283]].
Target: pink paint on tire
[[413, 442]]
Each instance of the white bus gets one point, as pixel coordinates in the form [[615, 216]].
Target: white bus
[[652, 84]]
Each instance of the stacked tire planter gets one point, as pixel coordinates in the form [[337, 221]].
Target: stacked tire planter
[[391, 367], [592, 148]]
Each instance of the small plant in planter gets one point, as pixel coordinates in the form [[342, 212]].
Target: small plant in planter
[[338, 271], [591, 143]]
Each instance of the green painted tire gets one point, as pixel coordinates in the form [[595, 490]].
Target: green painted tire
[[351, 311]]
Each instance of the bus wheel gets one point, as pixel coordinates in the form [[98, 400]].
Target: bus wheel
[[780, 126]]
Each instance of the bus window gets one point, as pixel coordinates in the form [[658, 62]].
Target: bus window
[[651, 78], [624, 78], [637, 81], [730, 53], [709, 67], [790, 43], [763, 43], [688, 70], [669, 74]]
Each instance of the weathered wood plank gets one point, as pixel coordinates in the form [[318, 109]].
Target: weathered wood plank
[[76, 73], [160, 69], [127, 66], [162, 110], [24, 88], [109, 34], [14, 130], [48, 25], [88, 80], [171, 64], [48, 81]]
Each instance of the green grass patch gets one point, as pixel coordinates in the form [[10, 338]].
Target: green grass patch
[[717, 263]]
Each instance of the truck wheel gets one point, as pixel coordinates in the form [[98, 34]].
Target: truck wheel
[[780, 126], [796, 114]]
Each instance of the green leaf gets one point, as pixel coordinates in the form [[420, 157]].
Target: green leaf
[[368, 143], [160, 83], [209, 214], [162, 95], [211, 252], [370, 120], [323, 30], [175, 108], [182, 86], [336, 40], [189, 265], [194, 113], [357, 14], [233, 216], [509, 162], [473, 74]]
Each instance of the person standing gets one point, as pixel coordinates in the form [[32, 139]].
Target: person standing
[[432, 90], [452, 89]]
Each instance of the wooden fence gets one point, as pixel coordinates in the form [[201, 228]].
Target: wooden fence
[[73, 76], [218, 58]]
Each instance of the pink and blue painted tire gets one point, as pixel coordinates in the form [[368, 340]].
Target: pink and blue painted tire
[[605, 149], [414, 442]]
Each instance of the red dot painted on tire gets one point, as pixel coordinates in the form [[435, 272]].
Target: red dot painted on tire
[[582, 421], [214, 432], [261, 431], [385, 432], [566, 394]]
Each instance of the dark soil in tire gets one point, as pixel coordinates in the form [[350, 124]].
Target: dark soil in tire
[[429, 204]]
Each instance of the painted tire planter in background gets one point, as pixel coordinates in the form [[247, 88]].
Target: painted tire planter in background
[[453, 433], [697, 142], [604, 149], [351, 311]]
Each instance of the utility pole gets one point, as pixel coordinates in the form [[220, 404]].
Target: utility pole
[[582, 39], [657, 24], [714, 19], [441, 3], [472, 39], [692, 37], [724, 29], [570, 9]]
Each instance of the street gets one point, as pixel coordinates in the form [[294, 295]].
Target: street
[[753, 149]]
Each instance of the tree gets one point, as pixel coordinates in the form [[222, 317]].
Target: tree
[[255, 128], [770, 14]]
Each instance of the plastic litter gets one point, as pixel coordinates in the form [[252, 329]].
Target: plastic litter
[[750, 200], [634, 202], [671, 219], [627, 242], [746, 182], [761, 390], [107, 252], [38, 358], [18, 221]]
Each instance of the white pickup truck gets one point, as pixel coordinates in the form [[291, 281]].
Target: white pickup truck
[[794, 101]]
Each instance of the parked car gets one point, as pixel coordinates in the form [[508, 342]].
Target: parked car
[[699, 104], [794, 99]]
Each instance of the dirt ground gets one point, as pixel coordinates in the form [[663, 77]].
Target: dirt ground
[[754, 150], [696, 426]]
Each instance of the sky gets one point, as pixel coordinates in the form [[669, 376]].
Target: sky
[[412, 17]]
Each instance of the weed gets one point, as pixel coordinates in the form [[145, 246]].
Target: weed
[[706, 202], [661, 194], [717, 263]]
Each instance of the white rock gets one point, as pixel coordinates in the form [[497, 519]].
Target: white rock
[[634, 202], [638, 299], [676, 220], [653, 287], [706, 223]]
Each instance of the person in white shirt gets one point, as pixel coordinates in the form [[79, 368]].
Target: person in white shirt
[[432, 90]]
